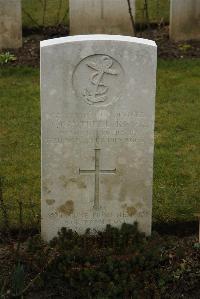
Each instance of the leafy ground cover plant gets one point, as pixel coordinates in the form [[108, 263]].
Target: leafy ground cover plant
[[6, 57], [116, 263]]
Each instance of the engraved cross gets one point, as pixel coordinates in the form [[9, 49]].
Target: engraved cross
[[97, 171]]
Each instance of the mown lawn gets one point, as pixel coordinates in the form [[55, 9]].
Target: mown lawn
[[57, 10], [20, 139], [177, 159]]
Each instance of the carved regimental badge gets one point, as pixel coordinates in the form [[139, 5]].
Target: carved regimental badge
[[98, 80]]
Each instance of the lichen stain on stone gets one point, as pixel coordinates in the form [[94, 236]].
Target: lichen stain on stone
[[45, 188], [131, 211], [66, 182], [50, 202], [67, 208]]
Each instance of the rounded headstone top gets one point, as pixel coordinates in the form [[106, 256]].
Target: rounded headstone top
[[97, 37]]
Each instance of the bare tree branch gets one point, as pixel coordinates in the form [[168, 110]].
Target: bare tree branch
[[44, 11], [131, 16], [29, 16], [59, 12], [66, 13], [146, 11]]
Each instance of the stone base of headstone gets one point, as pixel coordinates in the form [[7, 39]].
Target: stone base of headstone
[[185, 20], [101, 16], [10, 24]]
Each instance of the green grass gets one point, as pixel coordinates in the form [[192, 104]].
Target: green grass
[[20, 137], [158, 10], [176, 165], [177, 159]]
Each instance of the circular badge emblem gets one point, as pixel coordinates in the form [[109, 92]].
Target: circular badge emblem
[[98, 80]]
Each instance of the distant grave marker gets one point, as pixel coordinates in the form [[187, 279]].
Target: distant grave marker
[[185, 20], [101, 16], [10, 24]]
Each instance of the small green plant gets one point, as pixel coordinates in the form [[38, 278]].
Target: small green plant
[[185, 47], [7, 57]]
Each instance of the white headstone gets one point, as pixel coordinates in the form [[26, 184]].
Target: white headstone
[[98, 101], [185, 20], [10, 24], [101, 16]]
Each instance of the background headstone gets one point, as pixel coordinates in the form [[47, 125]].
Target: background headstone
[[100, 16], [185, 20], [98, 99], [10, 24]]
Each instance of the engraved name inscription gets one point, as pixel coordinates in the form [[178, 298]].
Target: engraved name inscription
[[91, 129]]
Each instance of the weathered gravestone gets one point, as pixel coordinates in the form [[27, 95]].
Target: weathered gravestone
[[185, 20], [101, 16], [10, 24], [97, 95]]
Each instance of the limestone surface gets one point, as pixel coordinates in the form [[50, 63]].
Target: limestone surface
[[97, 102], [101, 16], [185, 20], [10, 24]]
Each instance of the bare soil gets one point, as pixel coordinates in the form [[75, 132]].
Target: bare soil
[[29, 54]]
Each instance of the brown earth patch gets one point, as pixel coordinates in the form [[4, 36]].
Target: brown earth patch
[[29, 54]]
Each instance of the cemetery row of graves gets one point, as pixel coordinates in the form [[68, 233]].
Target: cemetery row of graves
[[118, 119]]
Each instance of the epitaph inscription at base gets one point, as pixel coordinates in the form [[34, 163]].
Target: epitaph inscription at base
[[97, 132]]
